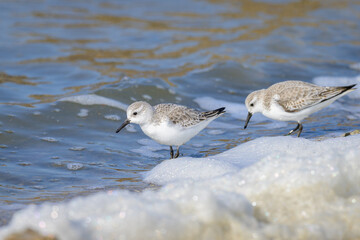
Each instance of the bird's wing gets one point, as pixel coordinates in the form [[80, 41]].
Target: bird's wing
[[297, 98], [184, 116], [179, 115]]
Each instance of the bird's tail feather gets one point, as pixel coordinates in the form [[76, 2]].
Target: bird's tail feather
[[214, 113], [336, 91], [346, 88]]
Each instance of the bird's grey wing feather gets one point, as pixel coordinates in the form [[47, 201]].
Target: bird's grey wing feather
[[179, 115], [295, 99]]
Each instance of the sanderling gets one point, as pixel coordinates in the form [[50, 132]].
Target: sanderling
[[169, 124], [292, 101]]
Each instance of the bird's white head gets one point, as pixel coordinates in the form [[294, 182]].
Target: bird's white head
[[253, 104], [139, 113]]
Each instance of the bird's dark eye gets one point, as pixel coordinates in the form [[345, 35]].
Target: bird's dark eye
[[135, 113], [251, 105]]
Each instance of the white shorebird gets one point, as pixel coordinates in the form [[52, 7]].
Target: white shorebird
[[169, 124], [292, 101]]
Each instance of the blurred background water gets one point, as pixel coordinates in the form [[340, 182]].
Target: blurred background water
[[197, 53]]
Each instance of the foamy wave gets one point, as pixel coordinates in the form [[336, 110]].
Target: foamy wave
[[92, 99], [355, 66], [269, 188]]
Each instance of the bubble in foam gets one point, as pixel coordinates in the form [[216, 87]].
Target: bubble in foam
[[77, 148], [74, 166], [214, 144], [112, 117], [83, 113], [215, 132], [130, 128], [147, 97], [49, 139]]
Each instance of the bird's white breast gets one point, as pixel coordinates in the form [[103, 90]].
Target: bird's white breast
[[278, 113], [170, 134]]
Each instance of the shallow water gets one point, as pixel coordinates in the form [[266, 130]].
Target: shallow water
[[173, 51]]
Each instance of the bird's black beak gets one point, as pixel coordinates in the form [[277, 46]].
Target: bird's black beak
[[247, 119], [127, 121]]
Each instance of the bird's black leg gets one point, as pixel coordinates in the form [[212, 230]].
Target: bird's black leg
[[177, 152], [171, 153], [300, 129], [294, 130]]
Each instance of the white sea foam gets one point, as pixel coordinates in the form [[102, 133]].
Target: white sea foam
[[77, 148], [197, 145], [147, 97], [92, 99], [74, 166], [112, 117], [83, 113], [355, 66], [49, 139], [130, 128], [215, 132], [268, 188], [213, 144]]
